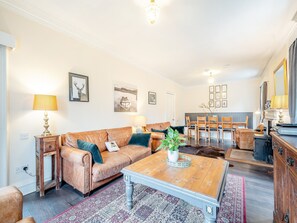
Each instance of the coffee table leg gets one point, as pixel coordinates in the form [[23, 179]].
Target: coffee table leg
[[210, 213], [129, 191]]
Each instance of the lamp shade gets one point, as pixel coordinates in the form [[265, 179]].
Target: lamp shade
[[139, 120], [279, 101], [45, 102]]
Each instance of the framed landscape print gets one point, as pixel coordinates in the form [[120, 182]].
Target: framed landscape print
[[125, 98], [211, 89], [218, 96], [224, 104], [152, 98], [78, 87], [211, 103], [224, 88], [218, 104], [211, 96], [218, 88]]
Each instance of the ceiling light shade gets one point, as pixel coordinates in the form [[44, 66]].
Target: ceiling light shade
[[211, 79], [152, 12]]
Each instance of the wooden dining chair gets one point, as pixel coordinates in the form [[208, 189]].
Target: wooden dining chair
[[190, 127], [246, 122], [227, 126], [201, 126], [213, 125]]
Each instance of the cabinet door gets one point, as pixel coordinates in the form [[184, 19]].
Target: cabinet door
[[292, 197], [280, 188]]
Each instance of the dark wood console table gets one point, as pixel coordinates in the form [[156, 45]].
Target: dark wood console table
[[285, 178]]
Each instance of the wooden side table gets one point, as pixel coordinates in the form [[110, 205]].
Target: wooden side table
[[47, 146]]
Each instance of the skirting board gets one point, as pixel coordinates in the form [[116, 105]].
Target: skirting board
[[27, 186]]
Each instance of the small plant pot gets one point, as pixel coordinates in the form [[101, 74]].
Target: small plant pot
[[173, 156]]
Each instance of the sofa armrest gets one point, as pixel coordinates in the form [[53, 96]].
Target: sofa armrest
[[157, 135], [11, 204], [76, 155]]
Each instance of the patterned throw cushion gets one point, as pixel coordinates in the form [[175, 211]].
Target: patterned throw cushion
[[92, 148], [141, 139]]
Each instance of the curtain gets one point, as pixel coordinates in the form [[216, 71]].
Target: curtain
[[263, 99], [293, 82]]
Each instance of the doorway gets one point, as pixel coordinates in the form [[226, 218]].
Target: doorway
[[170, 108]]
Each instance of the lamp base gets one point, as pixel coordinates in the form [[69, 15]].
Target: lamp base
[[46, 132], [280, 117]]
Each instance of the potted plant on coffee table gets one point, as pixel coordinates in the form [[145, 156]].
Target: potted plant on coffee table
[[171, 143]]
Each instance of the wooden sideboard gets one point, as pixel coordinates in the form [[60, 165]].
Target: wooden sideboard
[[285, 178]]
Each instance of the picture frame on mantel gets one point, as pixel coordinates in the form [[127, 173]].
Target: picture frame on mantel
[[78, 87]]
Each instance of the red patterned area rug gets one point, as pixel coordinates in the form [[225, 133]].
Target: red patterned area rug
[[151, 206]]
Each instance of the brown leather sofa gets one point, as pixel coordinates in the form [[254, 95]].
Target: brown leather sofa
[[11, 206], [77, 167], [156, 137]]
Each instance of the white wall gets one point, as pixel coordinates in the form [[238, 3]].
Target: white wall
[[243, 96], [275, 60], [40, 64]]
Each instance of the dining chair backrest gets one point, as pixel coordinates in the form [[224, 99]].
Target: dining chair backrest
[[188, 121], [201, 122], [213, 122], [247, 121], [227, 123]]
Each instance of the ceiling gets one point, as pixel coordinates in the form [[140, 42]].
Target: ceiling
[[235, 37]]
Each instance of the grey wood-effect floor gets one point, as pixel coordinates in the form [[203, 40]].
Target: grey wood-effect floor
[[258, 182]]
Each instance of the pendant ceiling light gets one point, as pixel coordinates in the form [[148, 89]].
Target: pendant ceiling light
[[210, 79], [152, 12]]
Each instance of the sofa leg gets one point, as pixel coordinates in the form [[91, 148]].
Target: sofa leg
[[86, 195]]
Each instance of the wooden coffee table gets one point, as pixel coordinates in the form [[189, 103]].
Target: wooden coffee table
[[202, 184]]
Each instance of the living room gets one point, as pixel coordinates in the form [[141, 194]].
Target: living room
[[42, 49]]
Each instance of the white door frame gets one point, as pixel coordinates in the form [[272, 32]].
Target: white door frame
[[174, 112], [6, 41]]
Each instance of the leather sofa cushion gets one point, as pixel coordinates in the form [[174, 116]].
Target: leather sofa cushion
[[160, 126], [113, 163], [98, 137], [135, 152], [120, 135]]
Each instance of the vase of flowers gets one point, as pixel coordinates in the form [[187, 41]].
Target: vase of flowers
[[171, 143]]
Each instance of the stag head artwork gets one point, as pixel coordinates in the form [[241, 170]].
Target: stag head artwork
[[80, 94]]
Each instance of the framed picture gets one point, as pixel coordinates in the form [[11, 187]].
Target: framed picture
[[211, 89], [78, 87], [224, 104], [218, 104], [224, 88], [218, 88], [152, 98], [125, 98], [224, 95], [218, 96], [211, 96], [211, 103]]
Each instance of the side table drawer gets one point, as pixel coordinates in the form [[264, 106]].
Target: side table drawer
[[49, 146]]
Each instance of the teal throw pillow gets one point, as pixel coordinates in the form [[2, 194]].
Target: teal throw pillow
[[180, 129], [92, 148], [165, 131], [141, 139]]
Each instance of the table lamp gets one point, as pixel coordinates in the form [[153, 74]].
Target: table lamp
[[139, 122], [280, 102], [45, 103]]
